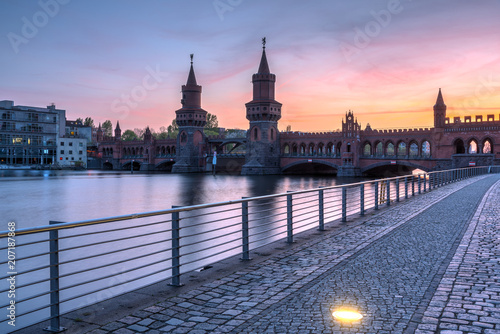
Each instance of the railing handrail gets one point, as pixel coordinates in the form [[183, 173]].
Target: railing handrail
[[66, 225]]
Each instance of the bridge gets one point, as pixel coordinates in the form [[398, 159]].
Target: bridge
[[351, 151]]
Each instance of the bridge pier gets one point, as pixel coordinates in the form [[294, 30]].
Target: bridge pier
[[349, 171]]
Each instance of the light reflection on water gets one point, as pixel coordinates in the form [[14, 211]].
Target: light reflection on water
[[33, 198]]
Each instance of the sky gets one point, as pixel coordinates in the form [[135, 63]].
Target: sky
[[126, 60]]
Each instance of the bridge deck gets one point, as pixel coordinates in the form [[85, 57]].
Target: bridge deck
[[424, 265]]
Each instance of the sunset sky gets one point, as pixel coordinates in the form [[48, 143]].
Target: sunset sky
[[126, 60]]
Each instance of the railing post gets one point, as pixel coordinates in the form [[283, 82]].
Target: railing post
[[245, 256], [376, 195], [419, 184], [406, 187], [397, 190], [362, 199], [425, 182], [388, 195], [413, 185], [176, 249], [344, 204], [55, 321], [289, 219], [321, 210]]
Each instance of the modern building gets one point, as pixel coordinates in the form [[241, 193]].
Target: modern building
[[29, 135], [72, 152]]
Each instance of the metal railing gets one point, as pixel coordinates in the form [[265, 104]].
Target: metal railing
[[61, 267]]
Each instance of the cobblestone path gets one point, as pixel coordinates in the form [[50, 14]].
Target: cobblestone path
[[389, 267], [468, 297]]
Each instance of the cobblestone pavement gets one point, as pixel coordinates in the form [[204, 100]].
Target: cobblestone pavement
[[388, 267], [467, 299]]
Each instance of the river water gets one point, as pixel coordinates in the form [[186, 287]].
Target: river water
[[33, 198]]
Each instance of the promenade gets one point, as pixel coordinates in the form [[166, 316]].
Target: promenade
[[427, 265]]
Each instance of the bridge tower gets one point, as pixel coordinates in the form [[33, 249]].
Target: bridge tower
[[350, 147], [263, 112], [191, 119], [439, 112]]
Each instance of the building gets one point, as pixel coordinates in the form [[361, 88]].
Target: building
[[28, 135]]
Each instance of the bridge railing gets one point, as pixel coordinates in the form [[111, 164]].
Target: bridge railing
[[61, 267]]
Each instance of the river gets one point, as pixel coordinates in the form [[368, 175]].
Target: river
[[33, 198]]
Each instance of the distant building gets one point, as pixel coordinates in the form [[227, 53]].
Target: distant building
[[28, 135], [76, 129], [72, 152]]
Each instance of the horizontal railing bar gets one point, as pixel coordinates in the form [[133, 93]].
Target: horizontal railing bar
[[118, 229]]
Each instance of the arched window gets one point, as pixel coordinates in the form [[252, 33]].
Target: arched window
[[272, 134], [302, 149], [329, 149], [255, 134], [459, 146], [401, 149], [413, 149], [286, 149], [487, 147], [321, 149], [338, 149], [311, 149], [294, 149], [379, 149], [390, 149], [426, 149], [472, 147], [367, 150]]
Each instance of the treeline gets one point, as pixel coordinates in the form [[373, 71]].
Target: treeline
[[171, 131]]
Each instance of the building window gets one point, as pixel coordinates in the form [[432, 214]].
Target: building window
[[72, 158], [62, 151], [70, 152], [80, 152], [62, 143], [66, 158], [80, 159], [70, 143], [81, 144]]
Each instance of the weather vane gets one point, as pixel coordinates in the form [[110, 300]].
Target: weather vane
[[191, 55], [264, 42]]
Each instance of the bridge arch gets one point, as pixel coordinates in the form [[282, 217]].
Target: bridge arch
[[126, 165], [107, 166], [398, 163], [165, 165], [333, 168]]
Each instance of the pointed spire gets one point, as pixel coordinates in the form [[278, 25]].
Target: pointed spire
[[117, 125], [191, 78], [99, 128], [263, 67], [440, 100]]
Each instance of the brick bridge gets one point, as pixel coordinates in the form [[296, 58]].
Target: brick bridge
[[350, 152]]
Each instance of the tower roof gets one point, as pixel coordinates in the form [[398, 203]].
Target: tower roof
[[117, 125], [191, 78], [440, 100], [263, 67]]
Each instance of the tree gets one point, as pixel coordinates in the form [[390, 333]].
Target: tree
[[107, 128], [212, 122], [88, 122], [79, 120], [139, 133], [129, 135], [162, 134]]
